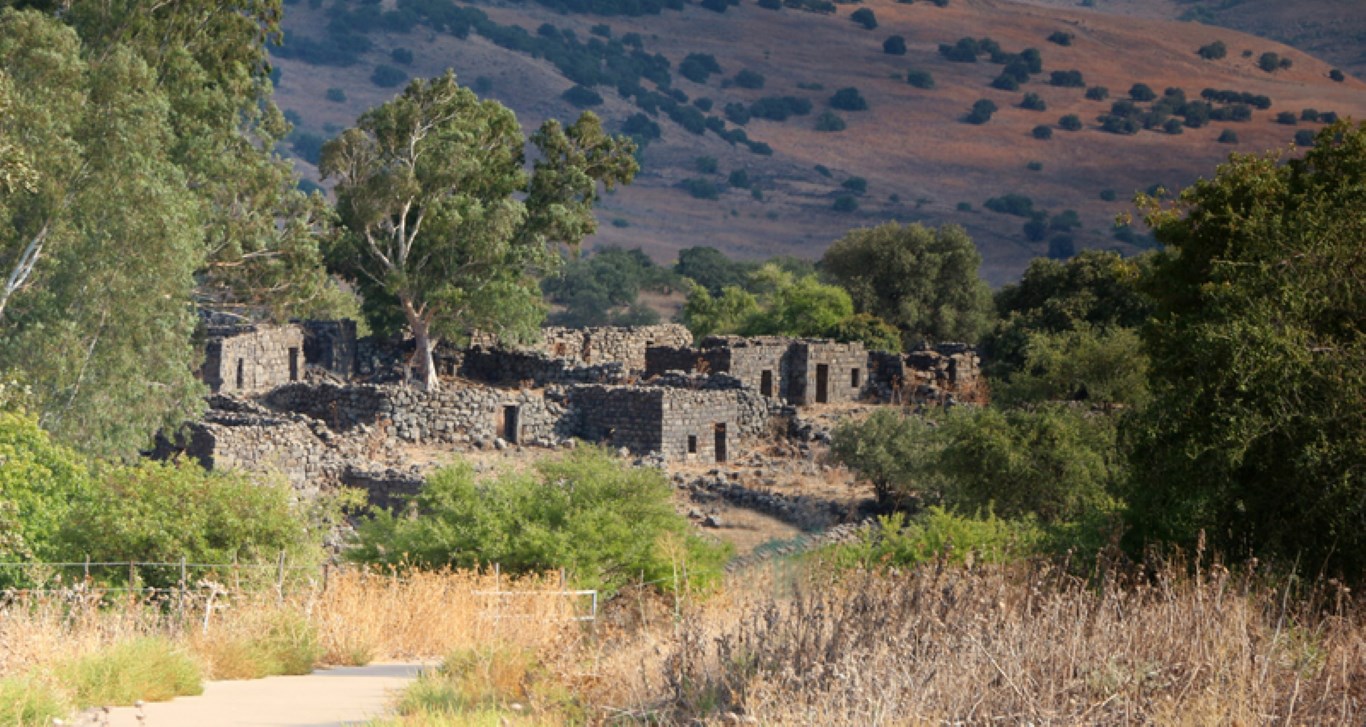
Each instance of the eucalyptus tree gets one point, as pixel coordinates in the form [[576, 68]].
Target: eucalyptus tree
[[443, 227]]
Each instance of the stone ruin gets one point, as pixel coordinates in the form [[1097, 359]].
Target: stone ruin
[[943, 374], [315, 404]]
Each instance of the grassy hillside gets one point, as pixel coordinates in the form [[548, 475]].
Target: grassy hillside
[[919, 159]]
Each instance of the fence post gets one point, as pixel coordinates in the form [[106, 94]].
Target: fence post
[[180, 598], [280, 578], [132, 578], [87, 569], [327, 568]]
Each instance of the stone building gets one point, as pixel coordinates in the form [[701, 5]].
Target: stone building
[[930, 373], [609, 344], [799, 371], [252, 358]]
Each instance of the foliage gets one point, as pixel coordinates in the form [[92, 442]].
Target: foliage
[[40, 482], [1055, 463], [895, 45], [864, 17], [699, 188], [711, 269], [934, 534], [1093, 290], [857, 185], [845, 203], [1068, 79], [1337, 75], [602, 288], [706, 314], [1229, 136], [161, 512], [779, 108], [1142, 92], [829, 121], [150, 669], [603, 521], [981, 112], [1070, 122], [27, 701], [874, 333], [1213, 51], [1033, 102], [1042, 131], [1011, 204], [921, 280], [749, 79], [848, 99], [582, 97], [896, 452], [698, 67], [1256, 431], [441, 221], [387, 76], [1105, 367], [919, 78], [1061, 37], [1097, 93]]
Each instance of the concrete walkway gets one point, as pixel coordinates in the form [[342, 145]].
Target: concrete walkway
[[341, 696]]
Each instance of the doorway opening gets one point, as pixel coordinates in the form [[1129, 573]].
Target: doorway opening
[[822, 383], [721, 443]]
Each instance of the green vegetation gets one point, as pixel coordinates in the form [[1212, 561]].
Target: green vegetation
[[848, 99], [981, 112], [582, 97], [1097, 93], [26, 701], [895, 45], [1061, 37], [386, 76], [845, 203], [1249, 287], [779, 108], [1229, 136], [829, 121], [749, 79], [448, 248], [864, 17], [1272, 62], [39, 484], [699, 188], [148, 669], [602, 288], [698, 67], [921, 280], [606, 523], [336, 95], [1068, 79], [1337, 75], [1033, 102], [1214, 51], [1011, 204], [920, 79], [1070, 122]]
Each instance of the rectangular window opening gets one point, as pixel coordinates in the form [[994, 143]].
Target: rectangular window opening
[[692, 444], [855, 378]]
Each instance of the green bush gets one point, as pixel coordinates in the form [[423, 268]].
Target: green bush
[[151, 669], [1099, 366], [26, 701], [1228, 136], [386, 76], [1337, 75], [894, 45], [874, 333], [40, 483], [336, 95], [937, 533], [848, 99], [603, 521], [864, 17], [1097, 93], [896, 452], [705, 164], [698, 67], [857, 185], [1061, 37], [1033, 102], [845, 203], [1067, 79], [739, 178], [161, 512], [920, 79], [829, 121], [981, 112], [1304, 137], [701, 188], [749, 79], [1070, 122], [401, 56], [1214, 51], [582, 97]]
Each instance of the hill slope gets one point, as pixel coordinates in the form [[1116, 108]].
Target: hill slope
[[919, 159]]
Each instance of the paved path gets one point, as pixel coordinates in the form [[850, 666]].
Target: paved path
[[341, 696]]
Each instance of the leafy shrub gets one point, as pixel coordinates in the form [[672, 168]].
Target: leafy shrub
[[151, 669], [690, 118], [779, 108], [894, 46], [161, 512], [1214, 51], [401, 56], [1124, 125], [1269, 62], [705, 164], [760, 148], [937, 533], [1337, 75], [1097, 93], [716, 6], [739, 179], [1142, 92], [703, 104], [40, 482], [1033, 102], [1005, 82], [1042, 131], [387, 76], [848, 99], [920, 79], [964, 207], [829, 121], [698, 67], [1172, 126], [822, 170], [1067, 79], [857, 185], [1070, 122], [701, 188], [1011, 204], [602, 520], [737, 113], [896, 452], [845, 203], [335, 95], [1304, 137], [1108, 195], [749, 79], [1310, 115], [1061, 37], [771, 4], [640, 127], [27, 701], [874, 333], [1061, 247], [1097, 365], [582, 97], [864, 17], [981, 112], [1034, 166], [965, 50]]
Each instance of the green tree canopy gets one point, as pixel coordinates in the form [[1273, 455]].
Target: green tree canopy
[[1258, 427], [40, 482], [921, 280], [442, 223]]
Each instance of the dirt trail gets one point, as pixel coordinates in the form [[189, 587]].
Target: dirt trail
[[341, 696]]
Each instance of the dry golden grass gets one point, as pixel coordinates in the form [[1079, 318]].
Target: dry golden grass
[[1015, 644]]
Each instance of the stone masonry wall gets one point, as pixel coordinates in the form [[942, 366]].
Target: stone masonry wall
[[331, 345], [456, 414], [243, 359], [624, 344], [498, 366], [927, 374], [846, 367]]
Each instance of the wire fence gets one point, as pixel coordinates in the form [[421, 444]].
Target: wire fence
[[183, 581]]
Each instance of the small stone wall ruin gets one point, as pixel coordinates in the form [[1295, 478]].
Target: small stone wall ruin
[[589, 346], [252, 358], [800, 371], [928, 374]]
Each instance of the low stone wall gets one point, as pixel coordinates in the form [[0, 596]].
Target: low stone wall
[[928, 374], [625, 345], [498, 366], [455, 414]]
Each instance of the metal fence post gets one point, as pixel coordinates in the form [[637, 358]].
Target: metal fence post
[[280, 578]]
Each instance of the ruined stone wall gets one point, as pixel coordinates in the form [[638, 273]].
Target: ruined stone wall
[[927, 374], [498, 366], [618, 416], [662, 359], [588, 346], [456, 414], [845, 372], [763, 364], [252, 358], [697, 421], [331, 345]]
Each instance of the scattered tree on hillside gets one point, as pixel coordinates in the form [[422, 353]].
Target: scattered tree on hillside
[[894, 45], [848, 99], [430, 191], [864, 17], [981, 112], [1214, 51]]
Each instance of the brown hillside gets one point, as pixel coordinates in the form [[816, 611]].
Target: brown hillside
[[919, 158]]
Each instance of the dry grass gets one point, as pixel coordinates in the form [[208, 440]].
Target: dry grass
[[1015, 644]]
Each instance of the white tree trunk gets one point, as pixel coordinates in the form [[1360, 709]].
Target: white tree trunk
[[427, 380]]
